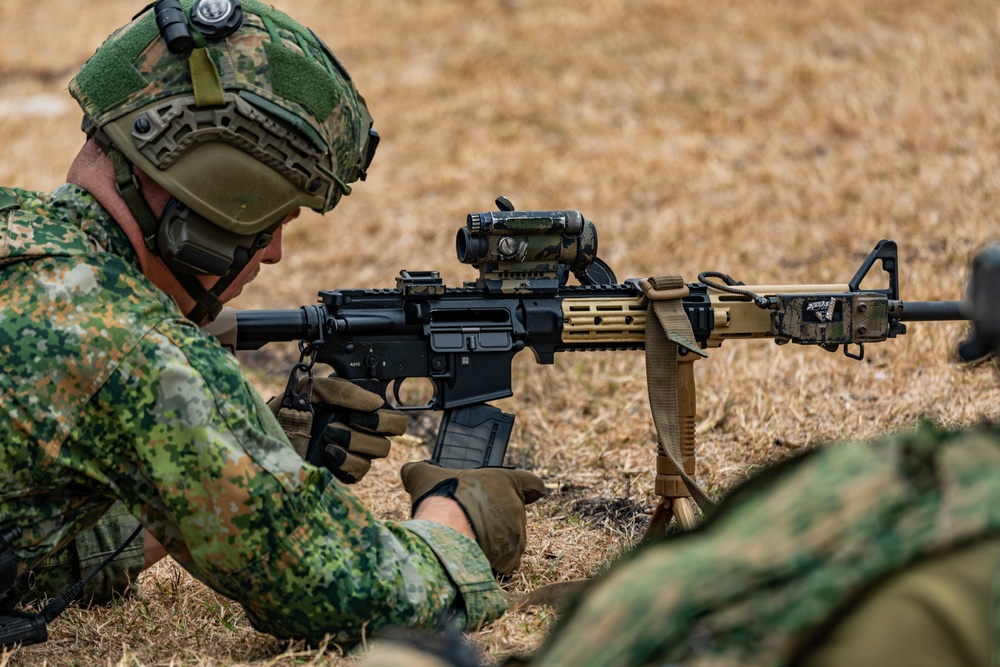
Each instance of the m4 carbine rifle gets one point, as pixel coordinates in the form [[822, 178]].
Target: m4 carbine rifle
[[463, 339]]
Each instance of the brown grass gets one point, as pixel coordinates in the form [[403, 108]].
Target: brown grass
[[776, 140]]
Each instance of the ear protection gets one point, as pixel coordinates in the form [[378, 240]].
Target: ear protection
[[234, 161], [191, 244]]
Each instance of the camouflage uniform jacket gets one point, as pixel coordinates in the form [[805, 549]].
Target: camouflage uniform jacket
[[107, 392], [787, 553]]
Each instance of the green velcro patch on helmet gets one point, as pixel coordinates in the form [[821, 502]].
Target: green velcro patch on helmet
[[134, 41], [301, 80], [284, 20], [110, 76]]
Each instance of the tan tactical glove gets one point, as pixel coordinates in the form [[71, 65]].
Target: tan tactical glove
[[350, 428], [347, 429], [493, 500]]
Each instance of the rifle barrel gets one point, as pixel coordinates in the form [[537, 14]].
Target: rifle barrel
[[933, 311]]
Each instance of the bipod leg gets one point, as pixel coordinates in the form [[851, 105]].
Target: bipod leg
[[675, 496], [684, 513], [681, 509], [657, 527], [687, 408]]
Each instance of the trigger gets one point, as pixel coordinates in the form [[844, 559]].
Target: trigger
[[396, 384]]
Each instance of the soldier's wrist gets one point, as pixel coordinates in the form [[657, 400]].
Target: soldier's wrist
[[445, 511]]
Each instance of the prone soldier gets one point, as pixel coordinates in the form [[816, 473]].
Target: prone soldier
[[209, 125]]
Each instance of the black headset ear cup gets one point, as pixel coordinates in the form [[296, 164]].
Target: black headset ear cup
[[193, 245], [190, 244], [173, 210]]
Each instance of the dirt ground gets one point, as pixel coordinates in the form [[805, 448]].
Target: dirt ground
[[775, 140]]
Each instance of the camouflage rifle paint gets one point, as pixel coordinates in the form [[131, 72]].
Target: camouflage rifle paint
[[107, 392]]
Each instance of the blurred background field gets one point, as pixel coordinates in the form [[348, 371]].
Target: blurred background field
[[775, 140]]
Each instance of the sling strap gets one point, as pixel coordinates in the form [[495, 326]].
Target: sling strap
[[669, 334]]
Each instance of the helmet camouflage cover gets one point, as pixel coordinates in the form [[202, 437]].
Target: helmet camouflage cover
[[242, 130]]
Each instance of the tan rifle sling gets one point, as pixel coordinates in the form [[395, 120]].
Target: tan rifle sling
[[668, 334]]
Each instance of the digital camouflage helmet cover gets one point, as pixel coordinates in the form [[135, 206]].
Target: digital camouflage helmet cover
[[240, 128]]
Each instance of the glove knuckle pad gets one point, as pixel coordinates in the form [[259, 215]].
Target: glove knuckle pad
[[392, 422], [366, 421], [336, 433]]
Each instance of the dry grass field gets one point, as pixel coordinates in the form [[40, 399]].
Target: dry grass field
[[775, 140]]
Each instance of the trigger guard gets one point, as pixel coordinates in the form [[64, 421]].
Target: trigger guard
[[399, 405]]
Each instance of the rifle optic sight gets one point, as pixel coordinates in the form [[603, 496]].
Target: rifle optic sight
[[527, 250]]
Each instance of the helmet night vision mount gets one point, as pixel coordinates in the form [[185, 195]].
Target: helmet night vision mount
[[214, 19]]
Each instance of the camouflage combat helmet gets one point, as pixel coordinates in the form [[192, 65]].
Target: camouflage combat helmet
[[239, 128]]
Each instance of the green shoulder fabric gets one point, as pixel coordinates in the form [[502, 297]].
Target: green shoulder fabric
[[8, 199], [787, 552], [28, 229]]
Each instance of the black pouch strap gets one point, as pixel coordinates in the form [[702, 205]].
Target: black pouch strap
[[8, 567]]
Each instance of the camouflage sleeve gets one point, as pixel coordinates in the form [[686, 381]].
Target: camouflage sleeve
[[192, 457], [482, 600]]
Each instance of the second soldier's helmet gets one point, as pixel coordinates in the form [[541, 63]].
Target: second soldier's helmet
[[236, 110]]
